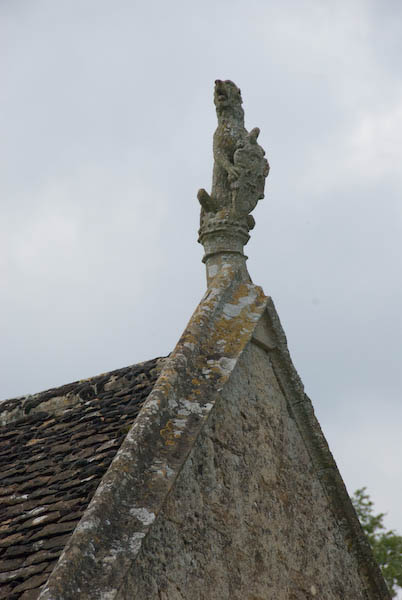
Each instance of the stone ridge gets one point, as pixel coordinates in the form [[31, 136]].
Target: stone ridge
[[55, 447]]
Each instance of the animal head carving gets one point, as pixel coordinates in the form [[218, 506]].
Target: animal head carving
[[227, 97]]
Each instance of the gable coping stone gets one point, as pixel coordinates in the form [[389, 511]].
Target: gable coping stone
[[131, 494]]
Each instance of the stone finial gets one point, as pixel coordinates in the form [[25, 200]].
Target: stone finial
[[238, 181]]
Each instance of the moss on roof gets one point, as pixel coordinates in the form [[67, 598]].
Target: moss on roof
[[55, 447]]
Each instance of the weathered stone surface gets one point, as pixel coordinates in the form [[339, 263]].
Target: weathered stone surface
[[130, 496], [224, 486], [248, 517]]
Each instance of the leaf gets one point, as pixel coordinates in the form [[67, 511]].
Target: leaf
[[386, 545]]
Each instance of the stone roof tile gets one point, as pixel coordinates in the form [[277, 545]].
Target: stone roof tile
[[55, 447]]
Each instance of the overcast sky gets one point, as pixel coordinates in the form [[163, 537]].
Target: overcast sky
[[107, 121]]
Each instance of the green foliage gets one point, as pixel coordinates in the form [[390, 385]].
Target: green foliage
[[386, 545]]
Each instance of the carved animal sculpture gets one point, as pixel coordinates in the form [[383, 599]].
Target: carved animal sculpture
[[239, 164], [230, 131]]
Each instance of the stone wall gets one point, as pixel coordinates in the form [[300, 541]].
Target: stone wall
[[247, 517]]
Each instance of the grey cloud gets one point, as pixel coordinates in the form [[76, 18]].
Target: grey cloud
[[107, 120]]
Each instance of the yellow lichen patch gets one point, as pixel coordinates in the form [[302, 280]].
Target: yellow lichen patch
[[232, 337], [165, 381], [241, 292], [168, 434], [189, 337]]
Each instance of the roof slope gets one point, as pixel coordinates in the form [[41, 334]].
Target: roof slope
[[55, 447]]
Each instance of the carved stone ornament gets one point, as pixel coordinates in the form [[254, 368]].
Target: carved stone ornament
[[238, 181]]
